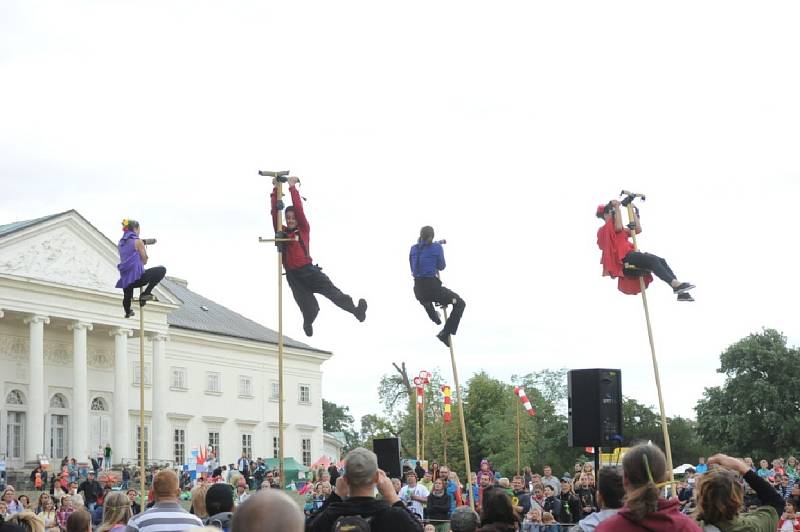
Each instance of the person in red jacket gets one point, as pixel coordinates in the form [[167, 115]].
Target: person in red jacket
[[644, 475], [306, 279], [618, 255]]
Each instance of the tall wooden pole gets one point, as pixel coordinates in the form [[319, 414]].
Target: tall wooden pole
[[444, 439], [422, 425], [664, 428], [416, 426], [279, 226], [279, 179], [468, 480], [518, 452], [142, 468]]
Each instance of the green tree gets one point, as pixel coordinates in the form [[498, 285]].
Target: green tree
[[337, 418], [756, 411]]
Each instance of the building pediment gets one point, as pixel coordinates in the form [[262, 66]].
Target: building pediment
[[65, 250]]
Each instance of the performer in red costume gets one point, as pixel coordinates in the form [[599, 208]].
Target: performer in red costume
[[620, 260], [305, 278]]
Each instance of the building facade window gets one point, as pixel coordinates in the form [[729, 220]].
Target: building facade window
[[213, 443], [179, 379], [179, 445], [136, 373], [247, 445], [245, 386], [275, 447], [274, 391], [306, 445], [213, 382], [305, 394], [139, 443]]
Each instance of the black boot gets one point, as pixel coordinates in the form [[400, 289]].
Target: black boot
[[361, 310], [444, 336]]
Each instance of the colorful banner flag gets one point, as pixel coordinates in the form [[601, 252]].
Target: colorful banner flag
[[447, 403]]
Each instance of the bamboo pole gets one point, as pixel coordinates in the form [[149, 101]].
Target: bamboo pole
[[468, 479], [422, 425], [416, 424], [444, 439], [279, 226], [142, 469], [664, 428], [518, 453]]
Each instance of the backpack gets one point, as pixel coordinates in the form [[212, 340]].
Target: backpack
[[352, 523]]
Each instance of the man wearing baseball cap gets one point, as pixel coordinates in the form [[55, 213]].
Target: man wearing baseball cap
[[353, 500]]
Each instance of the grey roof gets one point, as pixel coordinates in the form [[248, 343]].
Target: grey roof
[[16, 226], [218, 319]]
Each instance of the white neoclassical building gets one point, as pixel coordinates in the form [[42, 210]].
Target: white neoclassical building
[[69, 361]]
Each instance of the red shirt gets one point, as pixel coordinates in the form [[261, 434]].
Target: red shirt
[[614, 245], [667, 518], [294, 256]]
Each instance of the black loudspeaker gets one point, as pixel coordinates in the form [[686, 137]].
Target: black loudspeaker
[[595, 407], [388, 451]]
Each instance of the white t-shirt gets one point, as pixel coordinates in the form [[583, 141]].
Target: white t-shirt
[[419, 491]]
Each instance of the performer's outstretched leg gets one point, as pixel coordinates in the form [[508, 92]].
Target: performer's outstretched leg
[[660, 268], [322, 285], [151, 277], [304, 298]]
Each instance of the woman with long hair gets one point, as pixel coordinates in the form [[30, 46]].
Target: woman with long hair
[[720, 496], [48, 515], [27, 520], [644, 475], [497, 512], [116, 512]]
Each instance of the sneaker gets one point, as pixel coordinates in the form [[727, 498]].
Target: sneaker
[[436, 318], [308, 329], [129, 313], [685, 296], [361, 310], [683, 287], [444, 337]]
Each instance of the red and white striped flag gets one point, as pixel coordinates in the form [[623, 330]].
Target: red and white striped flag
[[524, 400]]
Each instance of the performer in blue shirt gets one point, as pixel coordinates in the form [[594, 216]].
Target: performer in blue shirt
[[427, 259]]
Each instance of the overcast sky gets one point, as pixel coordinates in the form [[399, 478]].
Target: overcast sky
[[502, 124]]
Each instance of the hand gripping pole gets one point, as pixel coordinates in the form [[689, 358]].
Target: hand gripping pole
[[628, 202]]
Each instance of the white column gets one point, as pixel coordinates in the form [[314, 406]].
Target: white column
[[158, 407], [34, 437], [80, 392], [122, 431]]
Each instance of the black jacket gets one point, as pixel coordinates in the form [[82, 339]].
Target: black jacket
[[91, 490], [439, 507], [385, 518]]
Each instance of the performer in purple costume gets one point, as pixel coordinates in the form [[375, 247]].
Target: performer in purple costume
[[133, 257]]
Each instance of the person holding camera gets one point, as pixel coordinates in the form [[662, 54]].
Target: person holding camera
[[132, 258], [305, 278], [427, 260]]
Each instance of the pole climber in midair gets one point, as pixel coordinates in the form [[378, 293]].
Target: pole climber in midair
[[623, 261], [132, 274], [306, 279], [427, 260]]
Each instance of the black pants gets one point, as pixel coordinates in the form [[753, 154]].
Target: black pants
[[151, 277], [651, 262], [429, 290], [309, 280]]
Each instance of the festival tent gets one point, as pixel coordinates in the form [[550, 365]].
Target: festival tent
[[681, 469], [291, 467]]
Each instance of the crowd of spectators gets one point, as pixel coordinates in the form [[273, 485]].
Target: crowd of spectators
[[722, 493]]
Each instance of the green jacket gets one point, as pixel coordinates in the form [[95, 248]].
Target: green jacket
[[764, 519]]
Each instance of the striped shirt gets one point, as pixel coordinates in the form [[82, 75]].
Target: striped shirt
[[163, 517]]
